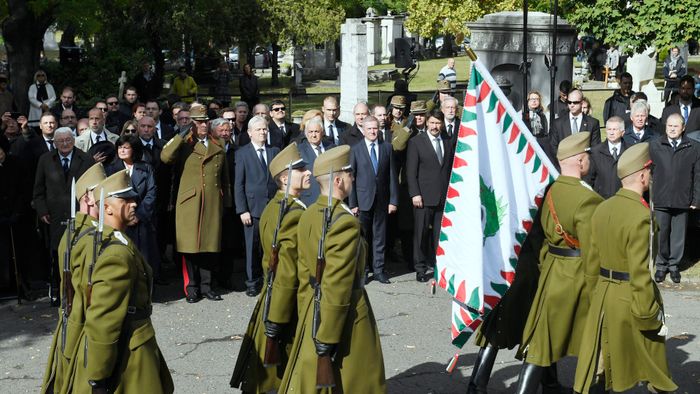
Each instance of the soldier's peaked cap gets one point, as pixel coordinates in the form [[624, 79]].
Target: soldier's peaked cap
[[117, 185], [336, 160], [90, 179], [633, 159], [290, 154], [574, 144]]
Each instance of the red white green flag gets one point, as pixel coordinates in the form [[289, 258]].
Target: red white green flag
[[498, 180]]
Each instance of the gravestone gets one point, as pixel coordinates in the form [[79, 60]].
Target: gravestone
[[642, 66], [655, 98], [374, 39], [392, 28], [497, 40], [353, 66]]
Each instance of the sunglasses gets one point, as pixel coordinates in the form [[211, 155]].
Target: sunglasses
[[112, 102], [278, 109], [573, 102], [130, 130]]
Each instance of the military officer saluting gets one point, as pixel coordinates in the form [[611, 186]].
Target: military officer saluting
[[625, 328], [117, 349], [71, 318], [336, 348], [259, 367], [568, 270]]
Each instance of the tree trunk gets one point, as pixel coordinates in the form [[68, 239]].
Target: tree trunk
[[275, 81], [158, 58], [23, 33]]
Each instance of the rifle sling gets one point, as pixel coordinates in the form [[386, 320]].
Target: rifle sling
[[570, 240]]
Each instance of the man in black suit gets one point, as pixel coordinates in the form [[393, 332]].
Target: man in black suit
[[574, 122], [602, 175], [52, 190], [559, 108], [428, 167], [332, 126], [619, 103], [384, 133], [688, 105], [374, 193], [253, 189], [284, 132], [310, 148], [448, 106], [67, 101], [163, 131], [354, 134], [638, 130]]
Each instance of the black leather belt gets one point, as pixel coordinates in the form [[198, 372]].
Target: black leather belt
[[564, 252], [617, 275], [135, 313]]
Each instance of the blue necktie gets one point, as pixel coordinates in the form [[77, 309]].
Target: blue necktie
[[373, 156], [65, 166], [685, 113], [262, 159]]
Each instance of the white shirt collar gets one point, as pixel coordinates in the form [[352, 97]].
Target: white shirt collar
[[257, 147], [618, 145], [146, 143], [102, 134], [69, 157]]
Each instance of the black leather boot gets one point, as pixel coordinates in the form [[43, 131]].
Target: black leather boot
[[550, 382], [598, 386], [529, 379], [482, 370]]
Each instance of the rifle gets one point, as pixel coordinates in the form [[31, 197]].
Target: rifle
[[96, 241], [272, 351], [324, 368], [68, 290]]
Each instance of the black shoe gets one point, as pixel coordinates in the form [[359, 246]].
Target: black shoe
[[193, 297], [550, 381], [252, 291], [211, 295], [478, 384], [660, 276], [382, 278], [422, 277], [675, 276], [367, 277], [529, 379]]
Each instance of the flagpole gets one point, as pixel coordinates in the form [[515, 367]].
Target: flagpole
[[471, 54]]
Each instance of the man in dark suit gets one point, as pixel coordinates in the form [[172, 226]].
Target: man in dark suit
[[619, 103], [67, 101], [638, 130], [354, 134], [448, 106], [384, 133], [575, 121], [284, 132], [559, 108], [602, 175], [374, 193], [163, 131], [688, 105], [332, 126], [310, 148], [52, 190], [428, 168], [253, 189]]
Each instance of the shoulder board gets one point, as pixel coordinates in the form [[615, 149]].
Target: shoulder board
[[587, 186], [118, 235], [347, 208], [301, 203]]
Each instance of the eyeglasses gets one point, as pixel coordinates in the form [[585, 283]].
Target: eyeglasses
[[533, 99], [103, 109], [130, 130], [112, 102], [231, 120], [62, 141], [573, 102], [277, 109]]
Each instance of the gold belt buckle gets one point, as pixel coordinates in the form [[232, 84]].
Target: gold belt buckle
[[558, 229]]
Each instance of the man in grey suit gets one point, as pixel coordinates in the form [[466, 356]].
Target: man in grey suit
[[574, 122], [375, 191], [253, 189], [310, 148]]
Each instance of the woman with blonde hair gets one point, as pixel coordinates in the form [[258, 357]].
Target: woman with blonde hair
[[310, 114], [42, 97]]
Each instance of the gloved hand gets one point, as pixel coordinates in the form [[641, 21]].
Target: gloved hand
[[324, 349], [184, 130], [272, 329]]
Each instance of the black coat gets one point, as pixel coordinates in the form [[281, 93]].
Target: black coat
[[617, 105], [542, 136], [340, 128], [424, 174], [630, 137], [166, 133], [603, 173], [369, 190], [310, 195], [351, 136], [561, 128], [281, 140], [693, 117], [166, 183], [676, 177], [11, 193], [52, 189]]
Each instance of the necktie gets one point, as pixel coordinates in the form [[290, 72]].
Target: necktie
[[438, 149], [158, 132], [149, 147], [449, 130], [65, 165], [318, 149], [262, 159], [51, 146], [614, 153], [574, 125], [282, 130], [373, 157], [330, 132], [98, 138], [639, 134], [685, 113], [674, 143]]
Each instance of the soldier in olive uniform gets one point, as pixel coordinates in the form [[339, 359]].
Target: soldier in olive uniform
[[555, 323], [347, 330], [624, 333], [250, 373], [117, 352], [62, 352]]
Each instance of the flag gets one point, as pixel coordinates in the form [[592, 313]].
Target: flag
[[498, 179]]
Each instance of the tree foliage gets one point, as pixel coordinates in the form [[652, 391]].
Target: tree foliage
[[429, 18], [636, 25]]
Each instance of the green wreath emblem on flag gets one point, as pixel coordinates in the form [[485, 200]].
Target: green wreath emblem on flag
[[492, 210]]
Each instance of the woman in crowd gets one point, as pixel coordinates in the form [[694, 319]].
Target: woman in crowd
[[536, 121], [586, 107], [130, 127], [42, 96], [129, 157]]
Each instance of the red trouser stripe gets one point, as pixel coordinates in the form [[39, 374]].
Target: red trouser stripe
[[185, 275]]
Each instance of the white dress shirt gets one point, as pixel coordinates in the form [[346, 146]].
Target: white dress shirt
[[369, 143]]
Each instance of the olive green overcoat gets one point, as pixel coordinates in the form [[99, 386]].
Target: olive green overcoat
[[625, 316], [249, 374], [203, 193], [59, 360], [114, 346], [555, 323], [346, 317]]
